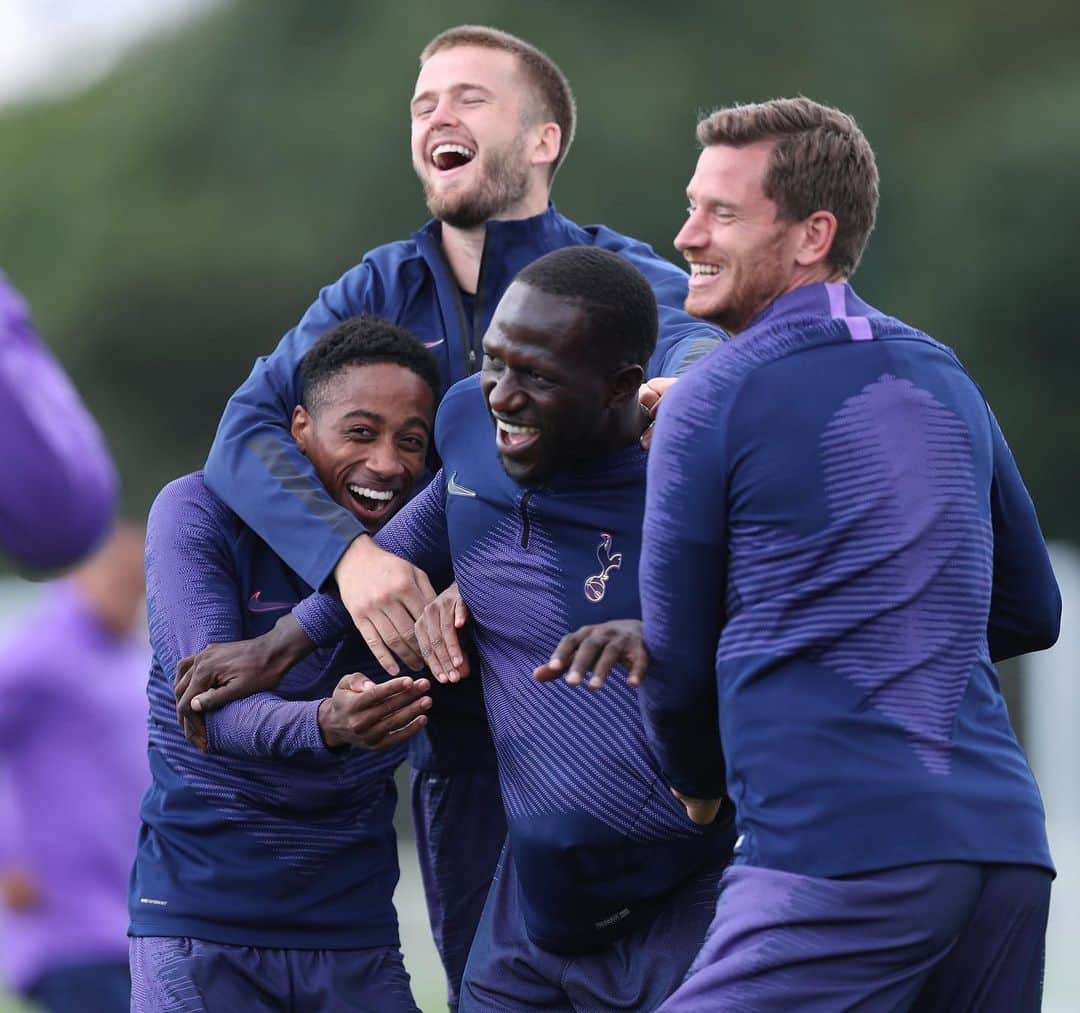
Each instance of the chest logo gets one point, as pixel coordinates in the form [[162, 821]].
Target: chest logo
[[256, 604], [454, 489], [596, 585]]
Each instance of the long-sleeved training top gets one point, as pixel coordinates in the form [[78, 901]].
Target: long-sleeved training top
[[58, 487], [837, 545], [595, 833], [269, 839]]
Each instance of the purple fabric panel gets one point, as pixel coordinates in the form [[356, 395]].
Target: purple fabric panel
[[59, 487], [71, 824], [858, 326], [516, 598], [323, 618], [264, 725], [891, 586], [781, 941]]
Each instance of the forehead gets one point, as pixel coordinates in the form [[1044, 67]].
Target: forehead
[[530, 321], [381, 388], [726, 173], [494, 69]]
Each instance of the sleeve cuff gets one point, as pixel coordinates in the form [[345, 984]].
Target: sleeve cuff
[[323, 618]]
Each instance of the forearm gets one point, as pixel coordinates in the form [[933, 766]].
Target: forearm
[[264, 726]]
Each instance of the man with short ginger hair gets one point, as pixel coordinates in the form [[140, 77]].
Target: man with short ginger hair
[[492, 117], [837, 547]]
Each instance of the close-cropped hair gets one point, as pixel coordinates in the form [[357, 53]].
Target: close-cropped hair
[[362, 341], [548, 83], [617, 298], [821, 161]]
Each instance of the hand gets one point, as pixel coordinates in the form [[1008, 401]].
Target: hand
[[374, 715], [385, 596], [221, 673], [650, 394], [598, 649], [437, 636], [701, 811], [18, 889]]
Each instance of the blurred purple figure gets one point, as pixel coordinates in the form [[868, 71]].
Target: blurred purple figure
[[57, 485], [73, 749]]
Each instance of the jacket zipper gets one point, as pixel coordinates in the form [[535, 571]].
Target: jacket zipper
[[524, 505], [476, 337]]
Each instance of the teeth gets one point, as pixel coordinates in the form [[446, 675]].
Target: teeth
[[452, 149], [359, 490], [507, 427], [696, 269]]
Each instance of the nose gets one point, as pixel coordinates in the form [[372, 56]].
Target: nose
[[506, 396], [383, 459], [443, 115], [692, 235]]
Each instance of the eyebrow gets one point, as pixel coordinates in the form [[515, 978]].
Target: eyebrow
[[413, 420]]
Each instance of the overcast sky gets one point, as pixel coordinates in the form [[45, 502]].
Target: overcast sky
[[49, 47]]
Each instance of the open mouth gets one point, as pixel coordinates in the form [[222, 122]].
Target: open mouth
[[451, 156], [372, 504], [513, 438]]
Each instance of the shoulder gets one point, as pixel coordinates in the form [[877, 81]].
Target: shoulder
[[461, 412], [187, 507]]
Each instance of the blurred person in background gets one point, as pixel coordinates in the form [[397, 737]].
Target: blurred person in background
[[492, 120], [73, 750], [58, 486], [267, 863]]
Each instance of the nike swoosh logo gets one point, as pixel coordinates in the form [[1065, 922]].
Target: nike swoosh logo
[[256, 604], [434, 344], [454, 489]]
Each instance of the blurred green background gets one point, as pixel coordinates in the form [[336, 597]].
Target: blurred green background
[[169, 223]]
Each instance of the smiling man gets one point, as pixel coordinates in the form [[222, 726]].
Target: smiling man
[[266, 866], [492, 120], [837, 547]]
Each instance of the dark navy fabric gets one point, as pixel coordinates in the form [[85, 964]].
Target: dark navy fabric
[[170, 975], [946, 936], [455, 814], [837, 546], [270, 839], [93, 987], [595, 833], [507, 971]]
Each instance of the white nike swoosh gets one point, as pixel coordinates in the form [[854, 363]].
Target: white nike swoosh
[[434, 344], [454, 489]]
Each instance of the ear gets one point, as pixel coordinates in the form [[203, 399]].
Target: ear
[[816, 235], [546, 148], [301, 427], [625, 385]]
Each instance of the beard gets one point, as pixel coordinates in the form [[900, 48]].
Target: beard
[[503, 182]]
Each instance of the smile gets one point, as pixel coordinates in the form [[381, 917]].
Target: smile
[[446, 157], [513, 438], [372, 502]]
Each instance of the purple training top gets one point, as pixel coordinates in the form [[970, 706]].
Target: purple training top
[[58, 486], [73, 747]]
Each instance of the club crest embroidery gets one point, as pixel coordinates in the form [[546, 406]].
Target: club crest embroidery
[[596, 585]]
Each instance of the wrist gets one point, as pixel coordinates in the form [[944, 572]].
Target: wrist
[[325, 717], [284, 645], [358, 550]]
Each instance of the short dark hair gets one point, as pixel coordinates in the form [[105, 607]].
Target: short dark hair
[[541, 72], [616, 296], [821, 161], [361, 341]]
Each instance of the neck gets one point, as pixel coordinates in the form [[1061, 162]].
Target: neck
[[464, 248]]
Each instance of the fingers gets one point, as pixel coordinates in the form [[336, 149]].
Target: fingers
[[647, 436], [561, 656], [369, 712], [437, 636], [377, 645], [701, 811]]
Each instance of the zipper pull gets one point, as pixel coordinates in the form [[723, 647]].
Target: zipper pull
[[472, 359]]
